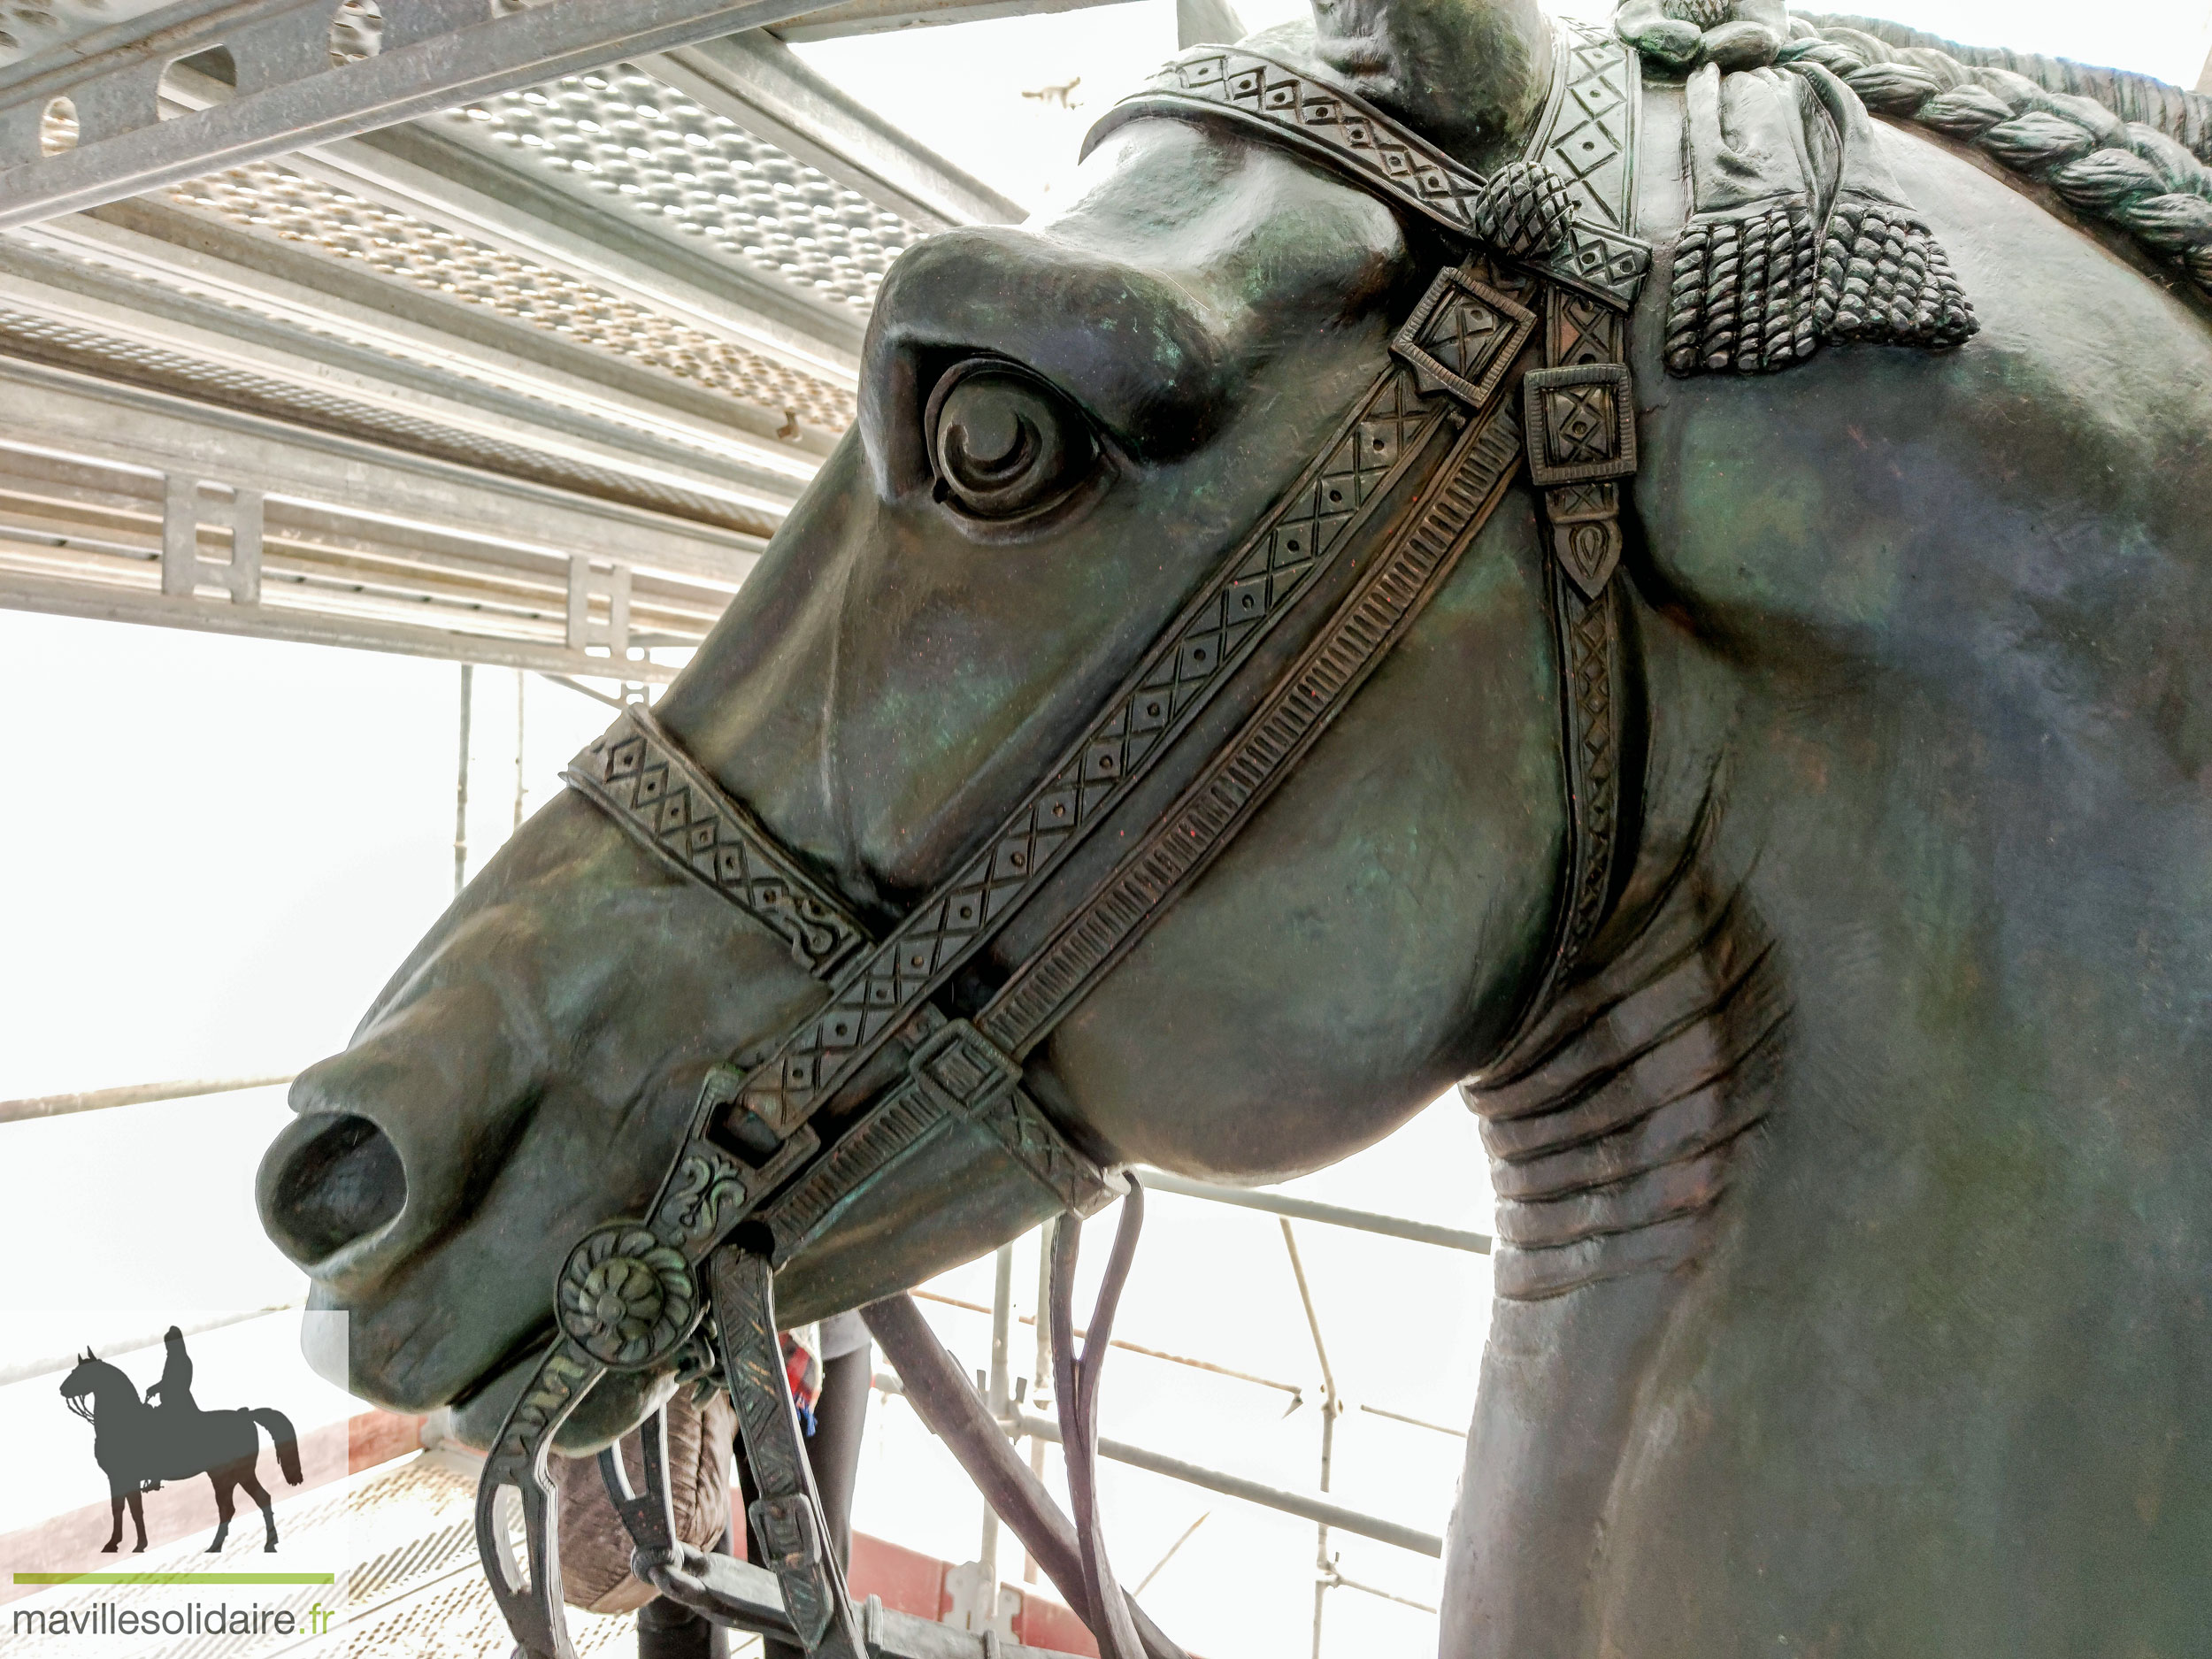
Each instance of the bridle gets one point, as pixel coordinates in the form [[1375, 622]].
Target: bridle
[[1520, 350]]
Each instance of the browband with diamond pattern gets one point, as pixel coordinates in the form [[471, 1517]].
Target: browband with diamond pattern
[[1596, 253]]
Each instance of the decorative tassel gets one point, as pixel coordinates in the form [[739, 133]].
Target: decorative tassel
[[1885, 281], [1773, 263], [1743, 297], [1685, 297]]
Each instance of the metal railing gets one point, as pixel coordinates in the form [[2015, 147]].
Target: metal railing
[[1002, 1394], [1307, 1210], [14, 1111], [1020, 1423]]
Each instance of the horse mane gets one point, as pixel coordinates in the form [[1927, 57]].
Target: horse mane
[[2185, 117], [2121, 149]]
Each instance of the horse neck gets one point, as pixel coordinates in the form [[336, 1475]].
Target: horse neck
[[1904, 942], [1612, 1120], [114, 1396]]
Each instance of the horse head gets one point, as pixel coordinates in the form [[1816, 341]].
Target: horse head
[[1064, 427], [92, 1382], [1850, 1169]]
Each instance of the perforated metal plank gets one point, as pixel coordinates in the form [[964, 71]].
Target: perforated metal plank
[[295, 86], [499, 199], [620, 144], [766, 90], [30, 28], [875, 17], [447, 269], [417, 171]]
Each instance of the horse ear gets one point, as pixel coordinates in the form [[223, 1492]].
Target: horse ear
[[1472, 75]]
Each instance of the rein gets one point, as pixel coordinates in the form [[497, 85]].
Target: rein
[[1517, 351]]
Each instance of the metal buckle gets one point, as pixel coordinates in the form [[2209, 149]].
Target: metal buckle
[[961, 1070], [1581, 424], [1462, 337]]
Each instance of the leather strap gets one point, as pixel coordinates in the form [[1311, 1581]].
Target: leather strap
[[1582, 446], [974, 1068], [786, 1516], [1256, 762], [643, 780], [1586, 137], [1250, 593], [1581, 421], [948, 1406], [1076, 1370]]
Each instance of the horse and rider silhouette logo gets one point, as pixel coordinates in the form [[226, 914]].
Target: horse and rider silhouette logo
[[139, 1444]]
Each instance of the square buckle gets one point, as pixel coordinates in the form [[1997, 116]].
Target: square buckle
[[1463, 337], [1581, 424], [963, 1071]]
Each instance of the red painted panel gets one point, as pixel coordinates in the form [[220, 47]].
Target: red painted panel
[[377, 1437], [1043, 1623], [908, 1581]]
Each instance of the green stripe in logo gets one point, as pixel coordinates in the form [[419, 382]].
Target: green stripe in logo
[[174, 1578]]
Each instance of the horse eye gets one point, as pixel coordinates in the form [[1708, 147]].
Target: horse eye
[[1005, 445]]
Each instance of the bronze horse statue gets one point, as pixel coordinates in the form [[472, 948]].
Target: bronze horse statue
[[1807, 885]]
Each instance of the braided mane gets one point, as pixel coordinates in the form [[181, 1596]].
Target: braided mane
[[2185, 116], [2139, 171]]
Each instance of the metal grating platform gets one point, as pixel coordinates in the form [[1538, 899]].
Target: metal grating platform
[[603, 295], [267, 198], [659, 155]]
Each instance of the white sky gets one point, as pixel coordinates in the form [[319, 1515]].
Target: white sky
[[219, 848]]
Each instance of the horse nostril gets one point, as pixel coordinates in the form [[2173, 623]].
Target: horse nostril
[[340, 1179]]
